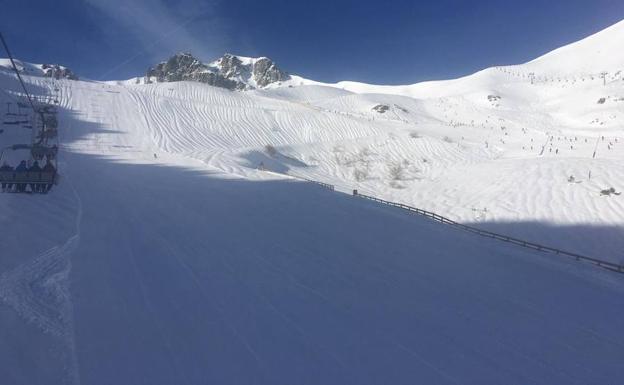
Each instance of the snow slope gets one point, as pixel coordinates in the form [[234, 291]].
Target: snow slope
[[46, 70], [466, 157], [166, 256], [580, 61]]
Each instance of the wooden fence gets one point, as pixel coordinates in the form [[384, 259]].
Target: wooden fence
[[325, 185], [484, 233]]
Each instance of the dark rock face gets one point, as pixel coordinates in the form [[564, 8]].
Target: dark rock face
[[177, 68], [381, 108], [185, 66], [266, 72], [58, 72], [228, 72], [180, 67], [231, 66], [217, 80]]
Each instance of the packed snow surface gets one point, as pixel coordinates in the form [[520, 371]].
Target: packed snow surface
[[181, 246]]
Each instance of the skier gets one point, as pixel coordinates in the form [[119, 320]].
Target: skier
[[35, 168], [21, 169], [6, 186], [48, 168]]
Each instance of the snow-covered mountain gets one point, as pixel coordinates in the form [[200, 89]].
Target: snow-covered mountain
[[55, 71], [581, 61], [183, 247], [499, 145], [229, 71]]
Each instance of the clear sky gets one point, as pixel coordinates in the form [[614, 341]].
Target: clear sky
[[374, 41]]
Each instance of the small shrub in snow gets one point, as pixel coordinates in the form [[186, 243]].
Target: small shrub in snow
[[365, 153], [270, 150], [360, 174], [401, 108], [397, 172], [447, 139]]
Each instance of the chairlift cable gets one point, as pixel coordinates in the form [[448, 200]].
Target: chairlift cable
[[6, 48]]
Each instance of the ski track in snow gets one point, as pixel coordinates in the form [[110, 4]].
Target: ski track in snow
[[39, 292]]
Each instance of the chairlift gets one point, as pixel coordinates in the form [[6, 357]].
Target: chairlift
[[39, 182], [47, 109], [50, 122], [48, 133], [39, 179], [39, 151]]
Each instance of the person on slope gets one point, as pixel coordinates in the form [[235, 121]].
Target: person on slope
[[34, 168], [48, 168], [21, 169], [6, 186]]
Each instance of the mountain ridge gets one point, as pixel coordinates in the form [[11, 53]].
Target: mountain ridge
[[229, 71], [588, 57]]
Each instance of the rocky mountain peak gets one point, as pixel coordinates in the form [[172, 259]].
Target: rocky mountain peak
[[265, 72], [177, 68], [229, 71], [230, 66], [58, 72]]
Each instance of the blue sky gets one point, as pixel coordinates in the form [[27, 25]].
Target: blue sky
[[383, 42]]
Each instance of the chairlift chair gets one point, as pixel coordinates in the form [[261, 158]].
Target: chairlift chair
[[18, 181], [39, 181]]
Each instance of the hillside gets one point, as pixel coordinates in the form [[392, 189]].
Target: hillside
[[181, 245]]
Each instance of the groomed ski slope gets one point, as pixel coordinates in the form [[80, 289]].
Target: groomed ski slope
[[163, 271], [512, 166], [166, 270], [166, 257], [495, 149]]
